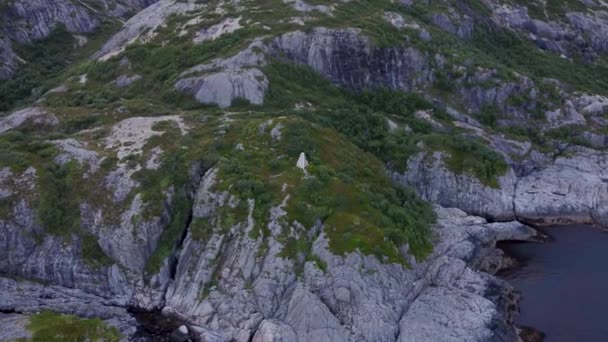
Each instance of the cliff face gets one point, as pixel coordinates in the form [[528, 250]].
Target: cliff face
[[24, 22], [296, 172]]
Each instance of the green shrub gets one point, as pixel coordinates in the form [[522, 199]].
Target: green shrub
[[58, 210]]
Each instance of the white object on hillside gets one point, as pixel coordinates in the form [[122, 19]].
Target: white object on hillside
[[302, 162]]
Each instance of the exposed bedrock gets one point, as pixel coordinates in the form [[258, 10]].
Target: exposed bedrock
[[231, 286], [351, 60], [573, 188], [25, 21]]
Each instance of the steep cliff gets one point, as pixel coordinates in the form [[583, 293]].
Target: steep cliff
[[289, 170]]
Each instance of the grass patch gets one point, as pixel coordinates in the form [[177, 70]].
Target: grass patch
[[48, 326]]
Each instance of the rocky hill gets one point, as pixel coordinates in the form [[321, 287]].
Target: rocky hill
[[289, 170]]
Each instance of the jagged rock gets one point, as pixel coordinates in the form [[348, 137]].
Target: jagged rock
[[357, 297], [465, 317], [73, 149], [275, 133], [454, 23], [592, 27], [302, 6], [568, 116], [311, 319], [27, 21], [396, 20], [569, 190], [592, 104], [272, 330], [580, 33], [9, 59], [130, 135], [598, 141], [154, 162], [180, 334], [29, 298], [481, 95]]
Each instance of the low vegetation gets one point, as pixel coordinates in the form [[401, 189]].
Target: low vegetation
[[346, 189], [48, 326], [44, 62]]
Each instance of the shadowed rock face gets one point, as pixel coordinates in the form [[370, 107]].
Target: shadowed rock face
[[25, 21], [348, 59]]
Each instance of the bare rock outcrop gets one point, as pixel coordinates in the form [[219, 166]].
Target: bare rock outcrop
[[433, 181], [222, 81], [349, 59], [573, 189], [26, 21]]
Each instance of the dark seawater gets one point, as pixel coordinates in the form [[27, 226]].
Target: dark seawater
[[564, 284]]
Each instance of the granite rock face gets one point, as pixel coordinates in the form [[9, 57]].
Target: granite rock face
[[229, 285], [25, 21], [223, 80], [350, 60], [355, 297], [16, 327], [571, 190], [223, 87], [433, 181]]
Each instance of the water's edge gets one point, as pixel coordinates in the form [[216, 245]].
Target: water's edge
[[560, 285]]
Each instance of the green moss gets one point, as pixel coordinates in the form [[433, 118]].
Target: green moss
[[48, 326], [201, 229]]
